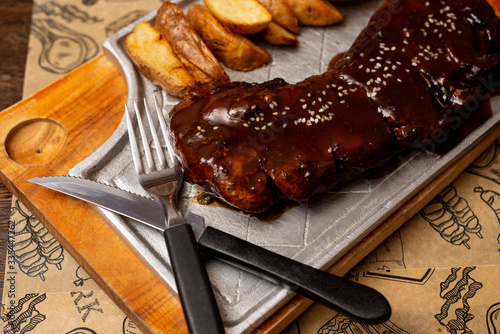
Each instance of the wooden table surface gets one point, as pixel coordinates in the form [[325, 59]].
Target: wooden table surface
[[14, 32]]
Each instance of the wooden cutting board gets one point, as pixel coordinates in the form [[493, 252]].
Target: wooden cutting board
[[55, 129]]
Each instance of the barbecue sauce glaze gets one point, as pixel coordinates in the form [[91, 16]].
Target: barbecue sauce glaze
[[411, 78]]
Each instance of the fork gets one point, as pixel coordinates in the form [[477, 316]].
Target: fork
[[357, 301], [191, 278]]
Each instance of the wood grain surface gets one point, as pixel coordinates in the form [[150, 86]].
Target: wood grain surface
[[14, 34], [76, 115]]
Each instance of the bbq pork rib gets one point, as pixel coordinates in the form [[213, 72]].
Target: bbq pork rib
[[405, 80]]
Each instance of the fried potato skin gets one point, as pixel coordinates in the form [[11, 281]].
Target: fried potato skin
[[282, 14], [315, 12], [277, 35], [233, 50], [156, 59], [240, 16], [189, 47]]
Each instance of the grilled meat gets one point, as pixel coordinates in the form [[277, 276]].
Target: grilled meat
[[401, 84]]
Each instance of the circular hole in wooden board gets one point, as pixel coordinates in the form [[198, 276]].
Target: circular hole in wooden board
[[35, 142]]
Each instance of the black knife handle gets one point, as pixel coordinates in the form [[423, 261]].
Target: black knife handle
[[357, 301], [194, 288]]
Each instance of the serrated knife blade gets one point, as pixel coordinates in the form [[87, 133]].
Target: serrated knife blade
[[122, 202], [359, 302]]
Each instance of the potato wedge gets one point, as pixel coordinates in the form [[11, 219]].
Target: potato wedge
[[282, 14], [315, 12], [240, 16], [277, 35], [156, 59], [233, 50], [188, 46]]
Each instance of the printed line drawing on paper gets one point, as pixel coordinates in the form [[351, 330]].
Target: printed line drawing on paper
[[23, 316], [32, 245], [487, 165], [456, 290], [418, 277], [341, 324], [81, 276], [493, 319], [82, 330], [67, 12], [451, 216], [129, 327], [492, 198], [63, 49]]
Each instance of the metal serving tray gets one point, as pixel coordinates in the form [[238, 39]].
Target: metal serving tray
[[317, 233]]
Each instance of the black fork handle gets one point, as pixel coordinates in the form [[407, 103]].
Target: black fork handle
[[359, 302], [194, 288]]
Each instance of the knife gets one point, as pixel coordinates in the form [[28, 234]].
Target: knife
[[357, 301]]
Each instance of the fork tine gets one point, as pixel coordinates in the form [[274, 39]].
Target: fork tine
[[144, 139], [156, 140], [164, 132], [133, 143]]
